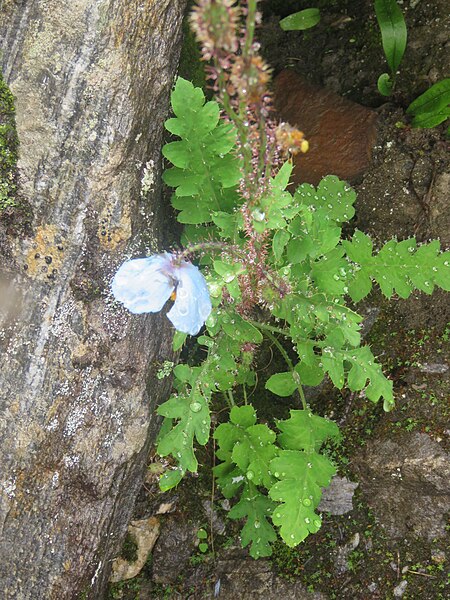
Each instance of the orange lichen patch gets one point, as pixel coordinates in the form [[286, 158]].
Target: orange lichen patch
[[340, 133], [45, 255]]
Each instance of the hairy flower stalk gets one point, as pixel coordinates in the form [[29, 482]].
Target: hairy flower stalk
[[240, 78]]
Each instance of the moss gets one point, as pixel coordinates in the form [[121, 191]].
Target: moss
[[9, 144], [129, 550], [191, 66]]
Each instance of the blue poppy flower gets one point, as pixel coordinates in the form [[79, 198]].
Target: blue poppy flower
[[145, 284]]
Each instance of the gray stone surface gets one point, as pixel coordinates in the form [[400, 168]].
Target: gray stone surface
[[91, 80], [337, 498], [406, 480]]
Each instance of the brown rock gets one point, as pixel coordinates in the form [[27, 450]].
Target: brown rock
[[341, 133]]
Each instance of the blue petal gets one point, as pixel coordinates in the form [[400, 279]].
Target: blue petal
[[144, 284], [192, 305]]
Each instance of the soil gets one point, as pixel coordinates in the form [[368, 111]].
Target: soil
[[404, 193]]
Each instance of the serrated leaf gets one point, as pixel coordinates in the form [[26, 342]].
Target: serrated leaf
[[393, 31], [364, 368], [302, 476], [281, 384], [398, 267], [257, 531], [305, 431], [192, 414], [250, 447], [186, 98]]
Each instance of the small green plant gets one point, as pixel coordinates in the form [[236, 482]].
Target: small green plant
[[394, 36], [432, 107], [278, 270], [202, 536]]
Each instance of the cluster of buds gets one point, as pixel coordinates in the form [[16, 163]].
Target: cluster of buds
[[290, 140], [215, 24]]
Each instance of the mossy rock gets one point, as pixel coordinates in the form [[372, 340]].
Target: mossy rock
[[9, 144]]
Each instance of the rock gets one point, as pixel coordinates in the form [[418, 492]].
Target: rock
[[243, 577], [407, 483], [343, 552], [145, 533], [341, 133], [78, 384], [400, 589], [218, 524], [173, 549], [337, 497], [437, 368]]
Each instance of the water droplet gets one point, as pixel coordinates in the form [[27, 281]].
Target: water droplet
[[257, 524], [306, 501], [195, 407], [250, 475]]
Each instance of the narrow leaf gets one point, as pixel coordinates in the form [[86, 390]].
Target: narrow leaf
[[393, 31], [304, 19]]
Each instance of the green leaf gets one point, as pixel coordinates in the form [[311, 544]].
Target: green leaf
[[310, 374], [243, 415], [436, 98], [364, 368], [302, 476], [432, 119], [170, 479], [205, 172], [281, 384], [257, 531], [360, 248], [250, 447], [398, 267], [305, 431], [385, 84], [192, 414], [178, 340], [280, 239], [241, 330], [186, 98], [299, 21], [336, 197], [393, 31], [203, 547], [281, 179]]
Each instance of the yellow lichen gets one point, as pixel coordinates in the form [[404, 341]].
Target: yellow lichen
[[45, 255]]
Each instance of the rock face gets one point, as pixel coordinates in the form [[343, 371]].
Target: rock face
[[91, 81], [341, 133], [240, 577], [407, 483]]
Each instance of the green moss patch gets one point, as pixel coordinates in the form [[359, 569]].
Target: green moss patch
[[9, 144]]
